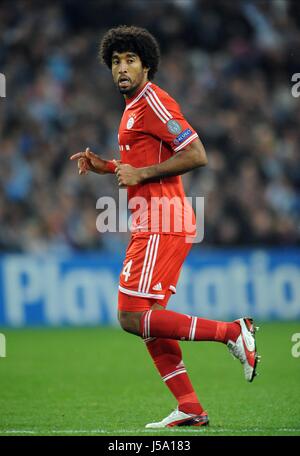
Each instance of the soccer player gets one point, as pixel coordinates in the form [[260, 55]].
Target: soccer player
[[157, 145]]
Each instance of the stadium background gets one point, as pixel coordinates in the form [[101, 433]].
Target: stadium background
[[229, 65]]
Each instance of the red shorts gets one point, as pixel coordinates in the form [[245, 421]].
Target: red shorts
[[151, 270]]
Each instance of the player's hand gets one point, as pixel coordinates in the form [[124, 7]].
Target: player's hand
[[88, 161], [127, 175]]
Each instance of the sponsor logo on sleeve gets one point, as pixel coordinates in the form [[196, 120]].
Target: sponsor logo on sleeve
[[174, 127], [183, 136]]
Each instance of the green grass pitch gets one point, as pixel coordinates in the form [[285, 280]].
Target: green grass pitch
[[101, 381]]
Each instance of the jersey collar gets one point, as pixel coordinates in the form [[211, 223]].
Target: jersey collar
[[137, 96]]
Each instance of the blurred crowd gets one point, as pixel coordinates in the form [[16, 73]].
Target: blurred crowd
[[228, 64]]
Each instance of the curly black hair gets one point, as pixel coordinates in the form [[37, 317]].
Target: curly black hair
[[132, 39]]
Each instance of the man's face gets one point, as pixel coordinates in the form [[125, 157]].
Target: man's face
[[128, 72]]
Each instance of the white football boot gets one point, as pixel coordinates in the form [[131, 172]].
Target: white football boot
[[244, 348], [178, 418]]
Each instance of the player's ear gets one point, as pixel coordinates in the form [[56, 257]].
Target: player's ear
[[146, 70]]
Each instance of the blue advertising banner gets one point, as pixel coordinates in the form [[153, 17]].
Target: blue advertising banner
[[82, 289]]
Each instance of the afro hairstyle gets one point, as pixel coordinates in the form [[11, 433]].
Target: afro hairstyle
[[131, 39]]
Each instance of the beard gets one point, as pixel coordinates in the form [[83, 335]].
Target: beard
[[127, 90], [129, 87]]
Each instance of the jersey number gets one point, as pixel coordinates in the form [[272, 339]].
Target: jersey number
[[126, 270]]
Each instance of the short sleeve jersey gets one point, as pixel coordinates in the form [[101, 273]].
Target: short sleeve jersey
[[152, 129]]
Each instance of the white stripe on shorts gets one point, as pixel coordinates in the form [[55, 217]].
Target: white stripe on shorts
[[145, 262], [153, 263], [150, 262]]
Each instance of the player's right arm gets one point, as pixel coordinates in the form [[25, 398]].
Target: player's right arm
[[88, 161]]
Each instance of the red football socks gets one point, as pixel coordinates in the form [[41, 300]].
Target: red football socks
[[160, 329], [172, 325], [167, 357]]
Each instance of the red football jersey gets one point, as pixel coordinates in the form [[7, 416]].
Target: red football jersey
[[152, 129]]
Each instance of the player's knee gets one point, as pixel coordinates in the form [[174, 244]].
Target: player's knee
[[130, 322]]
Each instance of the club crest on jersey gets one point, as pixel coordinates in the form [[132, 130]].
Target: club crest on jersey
[[183, 136], [130, 122], [174, 127]]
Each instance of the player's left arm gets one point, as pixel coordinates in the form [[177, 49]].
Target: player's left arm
[[191, 157]]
